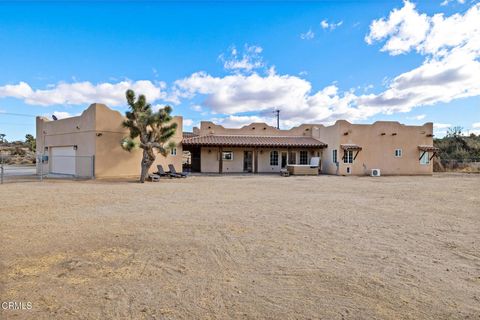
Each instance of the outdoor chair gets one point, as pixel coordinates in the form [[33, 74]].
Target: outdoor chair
[[173, 171], [162, 172], [154, 177]]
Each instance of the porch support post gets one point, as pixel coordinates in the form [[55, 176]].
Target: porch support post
[[255, 160], [356, 154], [422, 155], [220, 160]]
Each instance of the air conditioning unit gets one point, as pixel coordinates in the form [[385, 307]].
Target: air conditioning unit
[[375, 173]]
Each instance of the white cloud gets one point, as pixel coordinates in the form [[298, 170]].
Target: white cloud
[[330, 25], [196, 107], [420, 117], [248, 61], [309, 35], [62, 114], [405, 28], [234, 94], [451, 69], [476, 125], [446, 2], [441, 125], [233, 121], [112, 94], [188, 122]]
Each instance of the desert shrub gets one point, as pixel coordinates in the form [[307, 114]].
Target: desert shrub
[[18, 151]]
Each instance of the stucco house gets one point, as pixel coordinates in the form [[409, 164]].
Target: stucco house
[[344, 148], [89, 145]]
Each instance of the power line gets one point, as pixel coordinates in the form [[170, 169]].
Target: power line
[[17, 114]]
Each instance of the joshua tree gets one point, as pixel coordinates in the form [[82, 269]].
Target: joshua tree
[[149, 130], [30, 141]]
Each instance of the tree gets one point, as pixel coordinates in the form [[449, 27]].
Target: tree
[[149, 130], [2, 138], [31, 142], [454, 131]]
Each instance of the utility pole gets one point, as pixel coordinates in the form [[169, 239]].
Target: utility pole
[[277, 114]]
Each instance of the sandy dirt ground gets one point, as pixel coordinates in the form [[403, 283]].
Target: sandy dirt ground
[[243, 247]]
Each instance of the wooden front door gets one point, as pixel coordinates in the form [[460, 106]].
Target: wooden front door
[[247, 161]]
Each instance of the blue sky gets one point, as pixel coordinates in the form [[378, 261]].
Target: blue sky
[[235, 62]]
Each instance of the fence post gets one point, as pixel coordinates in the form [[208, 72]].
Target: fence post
[[41, 168], [1, 169], [93, 167]]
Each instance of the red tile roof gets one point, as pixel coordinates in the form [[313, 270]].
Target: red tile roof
[[253, 141], [427, 148], [350, 146], [187, 134]]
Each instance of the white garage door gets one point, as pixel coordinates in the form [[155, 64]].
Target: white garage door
[[62, 160]]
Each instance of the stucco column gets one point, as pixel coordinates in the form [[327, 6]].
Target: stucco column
[[255, 160], [220, 160]]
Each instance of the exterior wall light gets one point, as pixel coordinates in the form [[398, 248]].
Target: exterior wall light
[[75, 147], [99, 134]]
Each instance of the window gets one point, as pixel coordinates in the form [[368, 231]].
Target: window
[[398, 153], [424, 157], [348, 158], [334, 156], [227, 155], [274, 158], [303, 157], [173, 151], [292, 157]]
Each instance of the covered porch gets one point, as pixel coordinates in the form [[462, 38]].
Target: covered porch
[[250, 154]]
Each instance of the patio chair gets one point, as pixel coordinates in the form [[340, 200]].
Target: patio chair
[[172, 170], [154, 177], [162, 172], [314, 162]]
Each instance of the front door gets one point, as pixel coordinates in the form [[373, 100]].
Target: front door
[[247, 161], [284, 160]]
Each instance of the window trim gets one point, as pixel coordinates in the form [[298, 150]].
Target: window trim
[[334, 156], [289, 159], [305, 153], [348, 156], [227, 152], [398, 153], [272, 157], [173, 151], [426, 155]]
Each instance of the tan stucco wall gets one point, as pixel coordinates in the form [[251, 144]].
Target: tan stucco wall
[[256, 129], [209, 160], [210, 163], [98, 132], [79, 131], [378, 151]]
